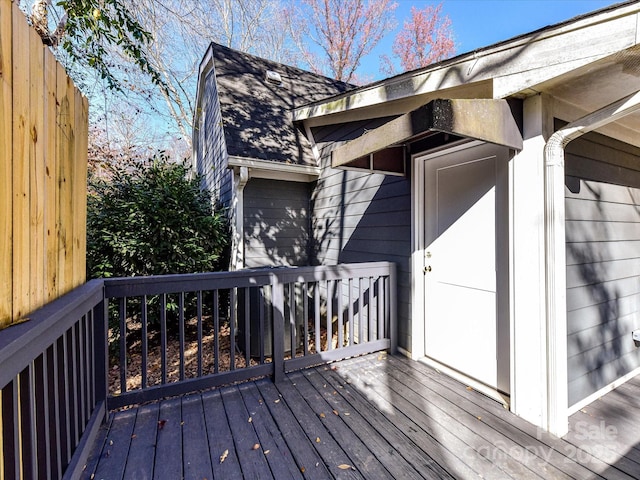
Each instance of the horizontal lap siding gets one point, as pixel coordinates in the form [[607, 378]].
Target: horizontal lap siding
[[211, 148], [276, 223], [603, 267], [360, 217]]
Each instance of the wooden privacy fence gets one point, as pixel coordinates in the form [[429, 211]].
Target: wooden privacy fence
[[43, 169]]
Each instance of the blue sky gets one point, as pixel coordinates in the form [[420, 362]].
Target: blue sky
[[479, 23]]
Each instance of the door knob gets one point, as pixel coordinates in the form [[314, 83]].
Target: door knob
[[427, 269]]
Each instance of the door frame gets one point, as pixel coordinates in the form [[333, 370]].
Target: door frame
[[417, 264]]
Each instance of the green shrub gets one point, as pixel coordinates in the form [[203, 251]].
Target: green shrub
[[149, 218]]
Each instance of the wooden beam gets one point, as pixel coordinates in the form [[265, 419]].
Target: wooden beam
[[480, 119]]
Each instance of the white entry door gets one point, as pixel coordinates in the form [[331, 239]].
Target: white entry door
[[466, 263]]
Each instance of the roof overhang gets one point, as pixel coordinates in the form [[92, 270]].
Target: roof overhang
[[259, 168], [480, 119]]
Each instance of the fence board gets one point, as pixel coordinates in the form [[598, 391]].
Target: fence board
[[6, 178], [36, 171], [50, 185], [21, 144], [43, 158]]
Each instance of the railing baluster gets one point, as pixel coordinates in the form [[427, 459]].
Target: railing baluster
[[181, 332], [60, 400], [11, 434], [216, 331], [247, 326], [329, 316], [305, 317], [80, 380], [316, 317], [144, 342], [370, 310], [68, 415], [291, 301], [122, 309], [360, 311], [232, 329], [199, 320], [350, 311], [53, 440], [340, 341], [277, 297], [380, 300], [42, 424], [25, 406], [261, 308], [72, 345], [163, 337]]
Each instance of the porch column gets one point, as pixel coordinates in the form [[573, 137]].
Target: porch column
[[527, 261]]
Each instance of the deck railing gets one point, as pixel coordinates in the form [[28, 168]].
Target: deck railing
[[117, 342], [53, 386]]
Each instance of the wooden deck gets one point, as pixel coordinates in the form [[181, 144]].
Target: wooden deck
[[376, 416]]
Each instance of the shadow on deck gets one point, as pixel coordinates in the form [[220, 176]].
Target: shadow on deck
[[375, 416]]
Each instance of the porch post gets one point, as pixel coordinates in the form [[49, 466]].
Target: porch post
[[277, 297]]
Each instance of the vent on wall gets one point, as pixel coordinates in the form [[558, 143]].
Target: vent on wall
[[273, 78]]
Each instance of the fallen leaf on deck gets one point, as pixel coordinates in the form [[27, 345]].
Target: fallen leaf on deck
[[256, 446], [479, 418], [317, 439], [302, 469], [321, 415], [224, 456], [334, 368], [382, 356], [469, 388], [335, 412], [346, 414], [277, 401], [161, 424], [266, 451], [250, 419], [110, 442], [344, 466], [182, 423], [134, 435]]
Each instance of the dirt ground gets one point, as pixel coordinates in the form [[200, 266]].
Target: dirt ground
[[154, 359]]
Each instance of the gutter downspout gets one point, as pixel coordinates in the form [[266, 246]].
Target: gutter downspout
[[555, 264], [237, 255]]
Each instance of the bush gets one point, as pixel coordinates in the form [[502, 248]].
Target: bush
[[149, 218]]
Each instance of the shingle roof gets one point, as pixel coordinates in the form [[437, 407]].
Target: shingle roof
[[257, 115]]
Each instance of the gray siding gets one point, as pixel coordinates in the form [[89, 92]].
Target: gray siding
[[210, 146], [360, 217], [603, 264], [276, 223]]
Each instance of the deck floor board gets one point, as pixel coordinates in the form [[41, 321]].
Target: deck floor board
[[376, 416]]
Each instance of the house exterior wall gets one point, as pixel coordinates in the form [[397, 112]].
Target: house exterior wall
[[603, 263], [211, 154], [361, 217], [276, 223]]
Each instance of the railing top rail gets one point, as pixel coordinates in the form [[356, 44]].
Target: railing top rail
[[159, 284], [20, 344]]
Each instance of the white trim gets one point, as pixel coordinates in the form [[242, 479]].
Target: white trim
[[275, 170], [603, 391], [462, 378], [404, 352], [237, 245]]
